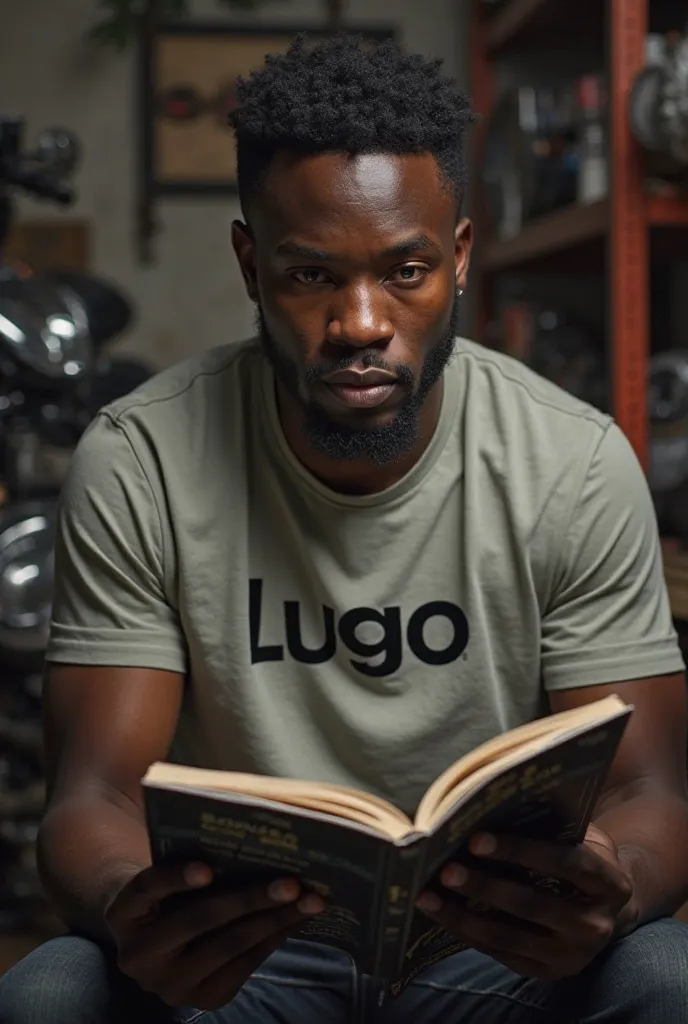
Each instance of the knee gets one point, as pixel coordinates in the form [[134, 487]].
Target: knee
[[648, 972], [64, 981]]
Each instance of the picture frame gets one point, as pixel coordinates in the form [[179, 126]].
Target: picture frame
[[188, 73]]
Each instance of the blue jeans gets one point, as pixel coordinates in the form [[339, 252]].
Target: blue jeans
[[640, 980]]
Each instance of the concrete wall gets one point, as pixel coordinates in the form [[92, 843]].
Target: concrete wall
[[192, 296]]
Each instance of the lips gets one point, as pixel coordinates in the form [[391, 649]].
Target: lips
[[361, 378], [361, 389]]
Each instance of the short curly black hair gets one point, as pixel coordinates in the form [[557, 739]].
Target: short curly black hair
[[346, 94]]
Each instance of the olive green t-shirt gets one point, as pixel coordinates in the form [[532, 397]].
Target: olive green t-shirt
[[368, 640]]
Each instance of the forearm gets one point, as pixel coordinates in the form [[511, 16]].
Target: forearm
[[88, 848], [651, 834]]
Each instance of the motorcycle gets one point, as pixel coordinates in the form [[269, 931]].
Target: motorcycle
[[55, 375]]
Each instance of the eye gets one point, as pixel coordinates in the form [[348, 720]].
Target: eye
[[311, 275], [411, 273]]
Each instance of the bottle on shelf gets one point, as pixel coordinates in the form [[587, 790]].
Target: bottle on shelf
[[593, 168]]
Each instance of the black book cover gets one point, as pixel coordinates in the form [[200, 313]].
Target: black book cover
[[247, 841], [549, 796], [369, 882]]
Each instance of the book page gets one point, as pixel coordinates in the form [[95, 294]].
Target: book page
[[499, 753], [339, 801]]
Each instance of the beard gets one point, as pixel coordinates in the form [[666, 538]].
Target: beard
[[380, 445]]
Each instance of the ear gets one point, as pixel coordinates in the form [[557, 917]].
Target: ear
[[463, 245], [245, 249]]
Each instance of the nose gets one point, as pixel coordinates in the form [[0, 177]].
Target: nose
[[359, 318]]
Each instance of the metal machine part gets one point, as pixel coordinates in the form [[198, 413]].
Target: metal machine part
[[668, 449], [107, 311], [58, 151], [40, 173], [509, 173], [45, 351], [44, 337], [27, 534], [668, 414], [564, 352], [531, 157], [557, 346], [668, 387], [44, 333], [659, 103]]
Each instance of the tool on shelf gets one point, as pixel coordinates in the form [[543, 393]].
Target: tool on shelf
[[658, 106]]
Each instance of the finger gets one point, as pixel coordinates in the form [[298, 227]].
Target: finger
[[201, 913], [231, 944], [588, 872], [140, 896], [498, 939], [525, 902]]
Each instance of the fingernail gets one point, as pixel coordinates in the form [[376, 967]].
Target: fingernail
[[429, 902], [483, 845], [454, 876], [283, 891], [311, 904], [197, 875]]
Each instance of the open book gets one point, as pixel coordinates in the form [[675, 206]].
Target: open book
[[364, 856]]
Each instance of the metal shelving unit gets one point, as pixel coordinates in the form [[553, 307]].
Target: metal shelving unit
[[619, 229]]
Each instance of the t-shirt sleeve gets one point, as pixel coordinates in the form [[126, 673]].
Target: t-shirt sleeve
[[109, 601], [609, 618]]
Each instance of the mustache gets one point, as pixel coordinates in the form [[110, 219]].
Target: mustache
[[367, 359]]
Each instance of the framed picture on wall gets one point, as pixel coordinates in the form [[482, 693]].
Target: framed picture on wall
[[189, 79]]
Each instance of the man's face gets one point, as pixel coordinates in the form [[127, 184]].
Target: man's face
[[354, 263]]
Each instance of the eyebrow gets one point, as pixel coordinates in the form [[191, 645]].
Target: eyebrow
[[410, 246]]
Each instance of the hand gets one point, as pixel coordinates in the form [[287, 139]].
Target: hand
[[195, 948], [554, 936]]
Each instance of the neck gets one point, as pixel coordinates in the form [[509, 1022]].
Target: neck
[[356, 476]]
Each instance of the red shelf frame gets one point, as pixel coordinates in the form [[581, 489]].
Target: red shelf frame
[[624, 221], [629, 254], [666, 211]]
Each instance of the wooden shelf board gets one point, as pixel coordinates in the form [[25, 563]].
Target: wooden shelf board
[[535, 21], [676, 575], [572, 226], [665, 211], [505, 25], [548, 235]]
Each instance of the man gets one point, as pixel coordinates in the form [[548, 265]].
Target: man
[[351, 550]]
